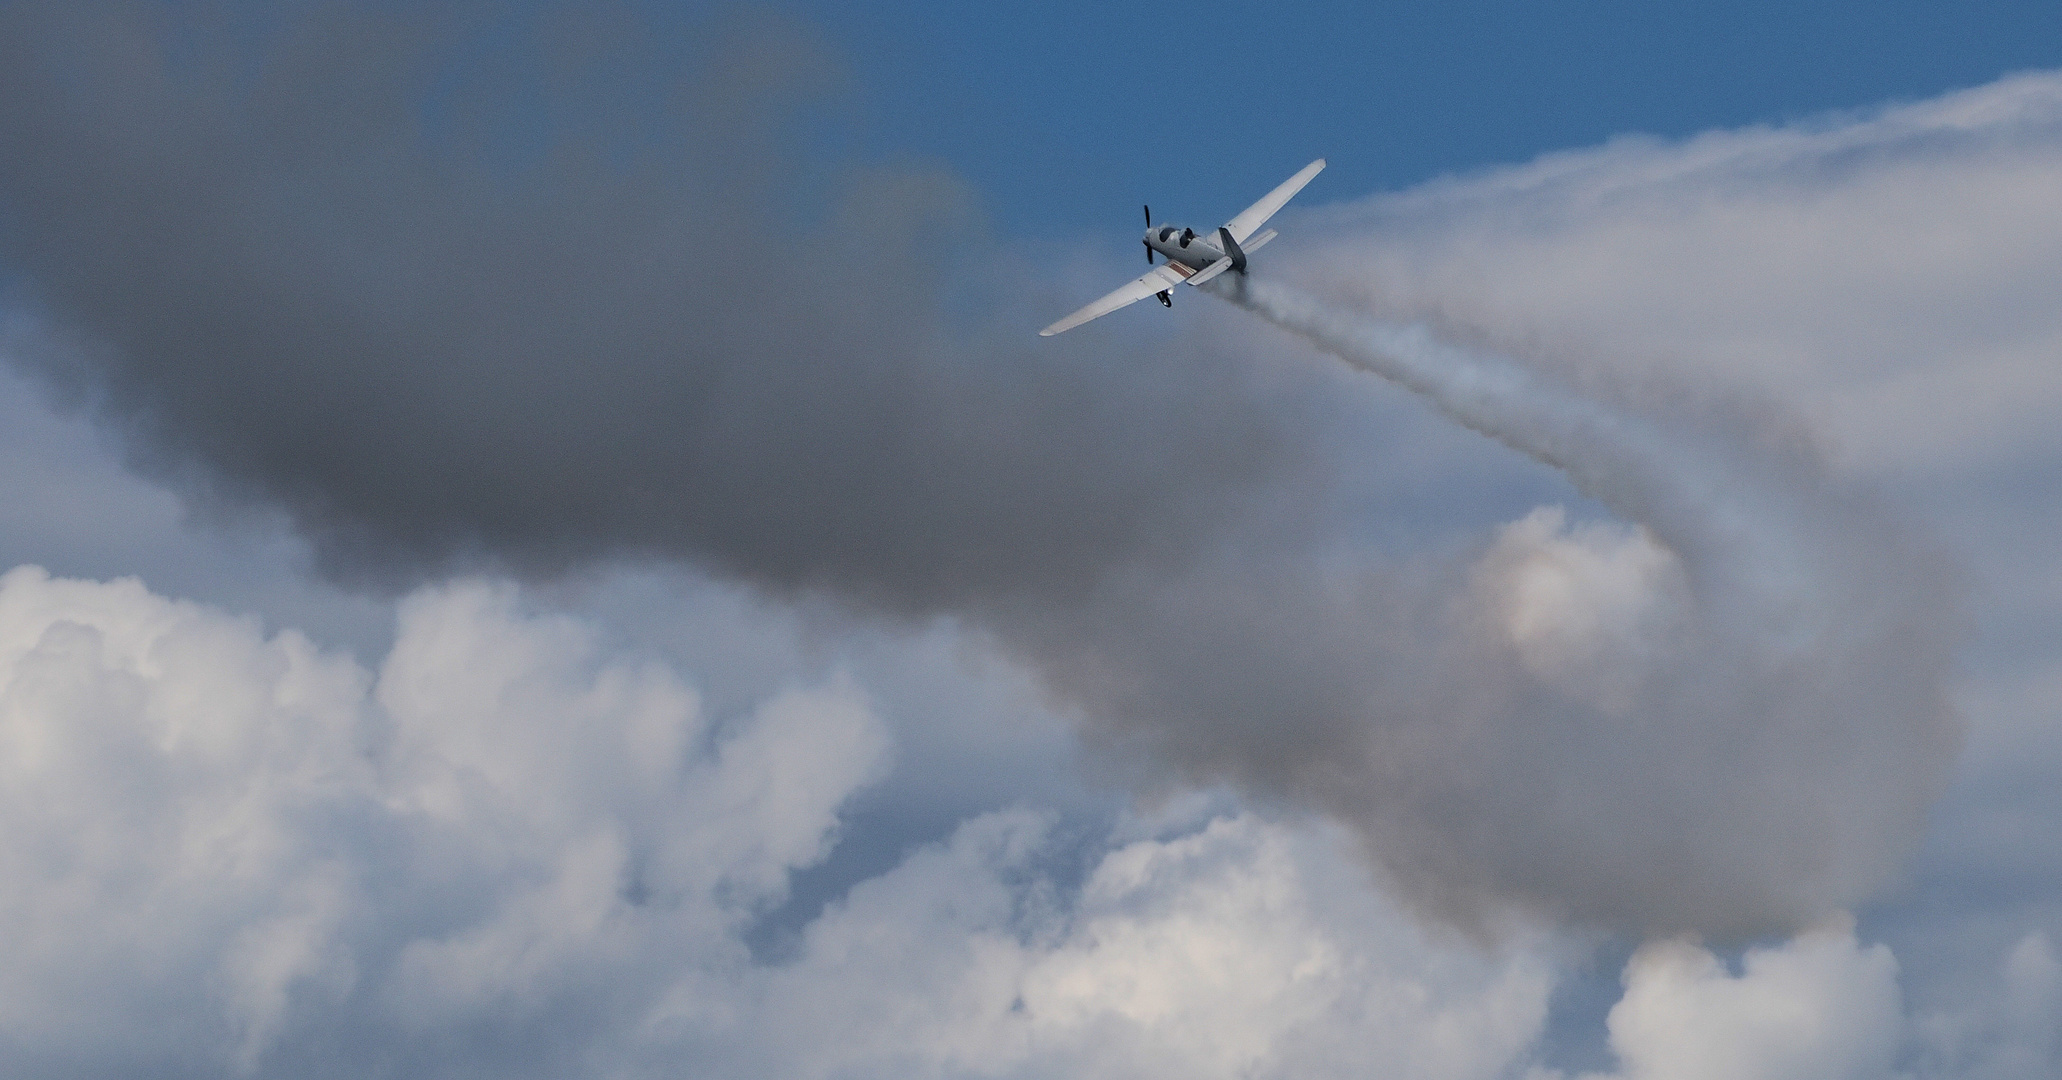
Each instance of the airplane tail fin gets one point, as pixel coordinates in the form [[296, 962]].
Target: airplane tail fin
[[1230, 245]]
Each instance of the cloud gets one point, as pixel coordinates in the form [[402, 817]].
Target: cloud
[[523, 355], [517, 847], [1880, 270], [513, 848], [1585, 608], [2004, 1029], [1822, 1005], [1819, 1007], [514, 351], [1793, 629], [219, 843], [1877, 274], [1234, 950], [328, 262], [330, 270]]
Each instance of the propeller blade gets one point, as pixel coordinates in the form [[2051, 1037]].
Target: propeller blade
[[1149, 253], [1149, 215]]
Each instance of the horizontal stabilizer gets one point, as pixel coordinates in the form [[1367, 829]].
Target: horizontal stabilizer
[[1262, 237], [1212, 270]]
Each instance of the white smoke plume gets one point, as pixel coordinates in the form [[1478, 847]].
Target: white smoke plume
[[1755, 672]]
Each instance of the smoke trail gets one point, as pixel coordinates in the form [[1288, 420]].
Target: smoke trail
[[1778, 683], [1720, 514]]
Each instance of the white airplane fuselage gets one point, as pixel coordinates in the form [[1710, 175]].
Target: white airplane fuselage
[[1196, 253]]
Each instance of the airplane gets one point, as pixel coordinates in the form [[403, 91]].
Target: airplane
[[1191, 257]]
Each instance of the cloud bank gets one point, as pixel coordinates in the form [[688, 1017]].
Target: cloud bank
[[513, 851], [517, 849]]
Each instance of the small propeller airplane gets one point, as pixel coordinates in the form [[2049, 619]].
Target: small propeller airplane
[[1193, 258]]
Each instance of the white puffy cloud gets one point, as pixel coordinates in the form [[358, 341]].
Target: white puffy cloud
[[159, 763], [519, 849], [1585, 608], [1824, 1006], [1819, 1007], [216, 841], [1240, 949]]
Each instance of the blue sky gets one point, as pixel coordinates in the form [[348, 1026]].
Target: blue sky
[[1066, 115]]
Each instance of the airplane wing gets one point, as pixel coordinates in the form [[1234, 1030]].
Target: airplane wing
[[1160, 279], [1257, 214]]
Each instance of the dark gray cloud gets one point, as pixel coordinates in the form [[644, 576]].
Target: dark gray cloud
[[576, 300]]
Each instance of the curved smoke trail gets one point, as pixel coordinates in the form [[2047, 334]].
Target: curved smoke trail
[[1703, 503], [1768, 722]]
